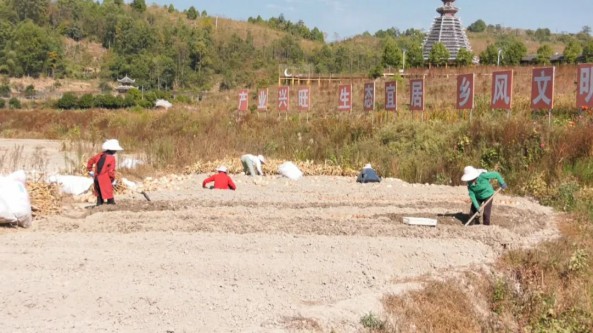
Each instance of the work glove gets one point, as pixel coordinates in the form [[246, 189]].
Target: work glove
[[91, 174], [503, 186], [114, 182]]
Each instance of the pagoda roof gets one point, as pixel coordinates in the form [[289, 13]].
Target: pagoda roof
[[126, 79]]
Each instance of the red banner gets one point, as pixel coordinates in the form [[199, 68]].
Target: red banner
[[262, 100], [283, 98], [369, 96], [304, 99], [243, 100], [542, 88], [585, 86], [417, 94], [391, 96], [502, 90], [465, 91], [345, 97]]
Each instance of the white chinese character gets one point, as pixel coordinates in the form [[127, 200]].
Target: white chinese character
[[417, 94], [304, 98], [262, 100], [542, 85], [390, 91], [344, 99], [282, 98], [242, 98], [501, 84], [586, 84], [369, 96], [465, 91]]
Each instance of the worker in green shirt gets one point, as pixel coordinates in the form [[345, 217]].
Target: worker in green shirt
[[480, 189]]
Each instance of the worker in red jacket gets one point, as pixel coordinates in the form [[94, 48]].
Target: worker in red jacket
[[221, 180], [102, 168]]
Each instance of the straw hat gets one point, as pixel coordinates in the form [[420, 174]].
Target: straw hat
[[222, 168], [367, 166], [112, 144], [471, 173]]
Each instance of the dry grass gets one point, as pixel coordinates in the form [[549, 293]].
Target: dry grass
[[546, 289], [439, 307]]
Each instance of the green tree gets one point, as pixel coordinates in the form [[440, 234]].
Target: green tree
[[323, 59], [542, 35], [588, 51], [464, 57], [34, 10], [439, 55], [171, 8], [32, 46], [490, 55], [138, 5], [544, 54], [513, 50], [478, 26], [572, 51], [134, 36], [192, 13], [414, 56], [392, 55]]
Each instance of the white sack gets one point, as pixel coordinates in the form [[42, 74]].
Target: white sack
[[290, 171], [74, 185], [15, 205]]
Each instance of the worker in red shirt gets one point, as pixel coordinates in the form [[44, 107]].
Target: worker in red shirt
[[221, 180], [102, 168]]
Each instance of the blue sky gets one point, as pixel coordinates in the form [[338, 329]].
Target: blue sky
[[345, 18]]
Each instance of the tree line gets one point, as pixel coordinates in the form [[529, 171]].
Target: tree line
[[164, 48]]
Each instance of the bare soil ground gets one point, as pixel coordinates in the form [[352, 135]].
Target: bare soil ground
[[312, 255]]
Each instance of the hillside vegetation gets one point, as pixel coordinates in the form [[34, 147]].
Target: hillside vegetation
[[164, 48]]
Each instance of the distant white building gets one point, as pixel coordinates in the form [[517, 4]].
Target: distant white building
[[447, 29]]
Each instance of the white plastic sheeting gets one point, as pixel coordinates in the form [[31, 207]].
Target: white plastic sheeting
[[163, 103], [74, 185]]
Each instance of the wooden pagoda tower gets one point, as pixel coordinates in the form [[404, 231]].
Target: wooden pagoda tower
[[447, 29]]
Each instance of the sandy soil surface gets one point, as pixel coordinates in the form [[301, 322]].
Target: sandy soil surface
[[274, 256]]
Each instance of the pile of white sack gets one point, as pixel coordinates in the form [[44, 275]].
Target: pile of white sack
[[290, 171], [15, 204]]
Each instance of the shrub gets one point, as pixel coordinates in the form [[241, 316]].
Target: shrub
[[372, 322], [86, 101], [68, 101], [30, 91], [4, 90], [2, 103], [14, 103]]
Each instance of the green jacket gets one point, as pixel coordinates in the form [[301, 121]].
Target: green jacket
[[481, 189]]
